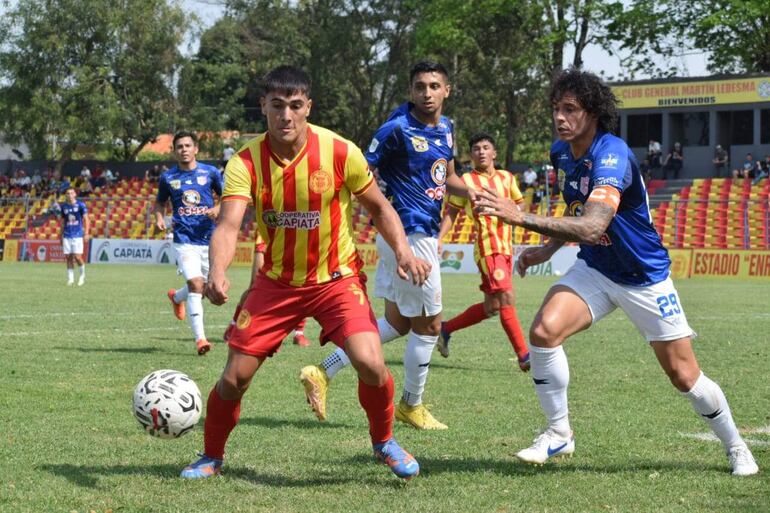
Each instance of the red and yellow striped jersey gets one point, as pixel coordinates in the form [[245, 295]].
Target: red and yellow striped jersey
[[492, 235], [303, 208]]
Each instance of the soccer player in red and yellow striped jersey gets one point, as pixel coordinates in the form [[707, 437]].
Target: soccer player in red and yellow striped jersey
[[493, 251], [301, 178]]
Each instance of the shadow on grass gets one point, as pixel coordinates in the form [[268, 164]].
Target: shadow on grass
[[513, 467], [270, 422], [129, 350], [87, 476]]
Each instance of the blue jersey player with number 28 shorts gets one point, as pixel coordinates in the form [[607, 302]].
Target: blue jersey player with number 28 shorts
[[190, 185], [621, 264]]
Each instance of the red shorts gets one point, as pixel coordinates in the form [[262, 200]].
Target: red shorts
[[272, 309], [496, 273]]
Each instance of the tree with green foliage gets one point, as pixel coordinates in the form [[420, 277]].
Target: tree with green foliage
[[86, 71]]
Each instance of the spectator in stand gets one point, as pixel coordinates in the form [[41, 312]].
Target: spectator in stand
[[24, 182], [654, 152], [720, 160], [85, 173], [538, 193], [153, 174], [227, 154], [109, 177], [764, 170], [97, 179], [553, 183], [530, 178], [674, 161], [749, 169], [85, 188], [36, 179]]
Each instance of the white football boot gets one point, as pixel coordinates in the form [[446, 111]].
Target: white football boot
[[547, 445]]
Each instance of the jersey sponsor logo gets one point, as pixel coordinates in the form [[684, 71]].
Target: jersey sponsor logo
[[419, 143], [320, 181], [611, 160], [563, 156], [374, 145], [175, 184], [244, 319], [607, 180], [202, 180], [584, 181], [439, 171], [293, 220]]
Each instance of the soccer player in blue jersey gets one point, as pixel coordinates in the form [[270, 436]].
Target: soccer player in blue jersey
[[621, 264], [413, 153], [75, 229], [190, 185]]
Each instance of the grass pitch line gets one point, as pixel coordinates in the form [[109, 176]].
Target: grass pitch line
[[711, 437]]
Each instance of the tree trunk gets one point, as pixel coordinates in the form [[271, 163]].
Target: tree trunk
[[142, 144], [66, 155]]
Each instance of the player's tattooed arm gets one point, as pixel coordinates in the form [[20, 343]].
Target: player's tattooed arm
[[586, 229]]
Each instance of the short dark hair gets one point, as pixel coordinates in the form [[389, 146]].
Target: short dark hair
[[592, 94], [70, 188], [427, 67], [286, 79], [181, 134], [481, 136]]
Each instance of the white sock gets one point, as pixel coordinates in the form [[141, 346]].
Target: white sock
[[387, 332], [550, 372], [419, 349], [335, 362], [709, 401], [70, 274], [82, 270], [181, 294], [195, 313]]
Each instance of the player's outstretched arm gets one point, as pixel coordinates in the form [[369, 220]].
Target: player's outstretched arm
[[389, 225], [455, 184], [222, 249], [598, 212]]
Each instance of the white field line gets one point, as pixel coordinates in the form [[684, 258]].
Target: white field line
[[711, 437], [100, 330]]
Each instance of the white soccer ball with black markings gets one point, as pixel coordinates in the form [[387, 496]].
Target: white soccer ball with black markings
[[167, 403]]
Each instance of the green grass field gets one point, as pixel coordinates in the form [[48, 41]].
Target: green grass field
[[72, 356]]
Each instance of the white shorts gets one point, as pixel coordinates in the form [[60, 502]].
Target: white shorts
[[655, 310], [412, 300], [72, 245], [193, 260]]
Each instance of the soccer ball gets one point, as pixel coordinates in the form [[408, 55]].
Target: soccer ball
[[167, 403]]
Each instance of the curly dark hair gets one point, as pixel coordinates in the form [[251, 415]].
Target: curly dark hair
[[592, 94]]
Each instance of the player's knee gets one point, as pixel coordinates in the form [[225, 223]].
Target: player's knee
[[492, 309], [432, 329], [545, 333], [683, 377], [195, 285], [373, 373], [231, 387]]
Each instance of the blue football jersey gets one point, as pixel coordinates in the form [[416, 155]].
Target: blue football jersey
[[630, 252], [191, 194], [72, 218], [412, 160]]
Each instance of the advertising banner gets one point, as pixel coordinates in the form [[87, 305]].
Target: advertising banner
[[11, 250], [42, 251], [685, 94], [681, 262], [726, 263], [132, 251]]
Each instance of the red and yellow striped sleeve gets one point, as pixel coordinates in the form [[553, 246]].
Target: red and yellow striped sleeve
[[358, 176], [515, 192], [239, 177]]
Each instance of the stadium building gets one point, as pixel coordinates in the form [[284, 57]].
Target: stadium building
[[699, 113]]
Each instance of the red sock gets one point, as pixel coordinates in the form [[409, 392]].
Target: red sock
[[378, 404], [473, 315], [221, 417], [300, 328], [512, 327]]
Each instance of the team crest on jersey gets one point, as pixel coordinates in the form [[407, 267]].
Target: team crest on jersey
[[244, 319], [175, 184], [202, 180], [438, 171], [562, 176], [320, 181], [191, 198], [498, 275], [576, 209], [420, 143], [449, 141], [584, 181]]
